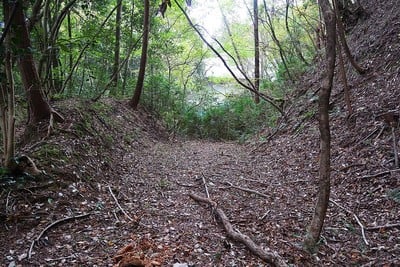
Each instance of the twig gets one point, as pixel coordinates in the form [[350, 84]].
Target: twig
[[369, 135], [247, 190], [203, 177], [266, 254], [265, 215], [379, 174], [386, 226], [254, 180], [355, 217], [8, 197], [185, 185], [380, 132], [396, 156], [61, 258], [52, 225], [362, 229], [119, 206]]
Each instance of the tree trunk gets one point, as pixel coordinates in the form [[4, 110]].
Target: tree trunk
[[315, 227], [277, 42], [115, 73], [70, 54], [7, 96], [256, 53], [229, 31], [143, 59], [343, 41], [293, 40], [39, 108]]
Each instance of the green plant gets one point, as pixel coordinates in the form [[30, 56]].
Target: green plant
[[163, 183], [394, 195]]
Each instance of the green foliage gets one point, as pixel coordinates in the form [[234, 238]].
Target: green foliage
[[394, 195], [236, 118], [49, 152]]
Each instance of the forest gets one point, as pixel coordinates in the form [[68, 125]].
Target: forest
[[199, 133]]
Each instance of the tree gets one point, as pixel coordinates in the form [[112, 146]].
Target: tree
[[277, 41], [115, 73], [321, 206], [39, 108], [256, 52], [143, 59], [7, 94]]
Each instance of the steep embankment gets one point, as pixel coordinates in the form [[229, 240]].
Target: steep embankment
[[118, 180], [365, 180]]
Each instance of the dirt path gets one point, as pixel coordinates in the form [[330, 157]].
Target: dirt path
[[151, 185], [187, 231], [169, 218]]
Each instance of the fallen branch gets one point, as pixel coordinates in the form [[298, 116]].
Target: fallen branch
[[36, 240], [355, 217], [248, 190], [265, 254], [386, 226], [203, 177], [396, 155], [379, 174], [185, 185], [119, 206], [254, 180]]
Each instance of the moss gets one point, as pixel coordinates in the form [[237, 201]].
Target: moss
[[48, 152]]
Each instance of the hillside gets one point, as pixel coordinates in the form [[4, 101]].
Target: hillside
[[114, 177]]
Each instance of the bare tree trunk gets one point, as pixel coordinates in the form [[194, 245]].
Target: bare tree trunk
[[343, 76], [315, 227], [228, 29], [294, 42], [256, 53], [39, 108], [343, 41], [70, 55], [143, 59], [277, 42], [7, 100], [115, 73]]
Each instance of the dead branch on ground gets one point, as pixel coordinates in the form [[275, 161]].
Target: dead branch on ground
[[119, 206], [36, 240], [355, 217], [248, 190], [203, 177], [386, 226], [379, 174], [266, 254]]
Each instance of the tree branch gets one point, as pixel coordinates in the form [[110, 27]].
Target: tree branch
[[266, 254]]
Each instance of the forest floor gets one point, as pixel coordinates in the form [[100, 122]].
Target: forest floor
[[111, 189], [115, 179]]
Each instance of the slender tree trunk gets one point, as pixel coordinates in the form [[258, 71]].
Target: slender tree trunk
[[277, 42], [134, 102], [294, 42], [115, 72], [315, 227], [229, 31], [343, 76], [70, 55], [256, 53], [7, 98], [343, 41], [39, 108]]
